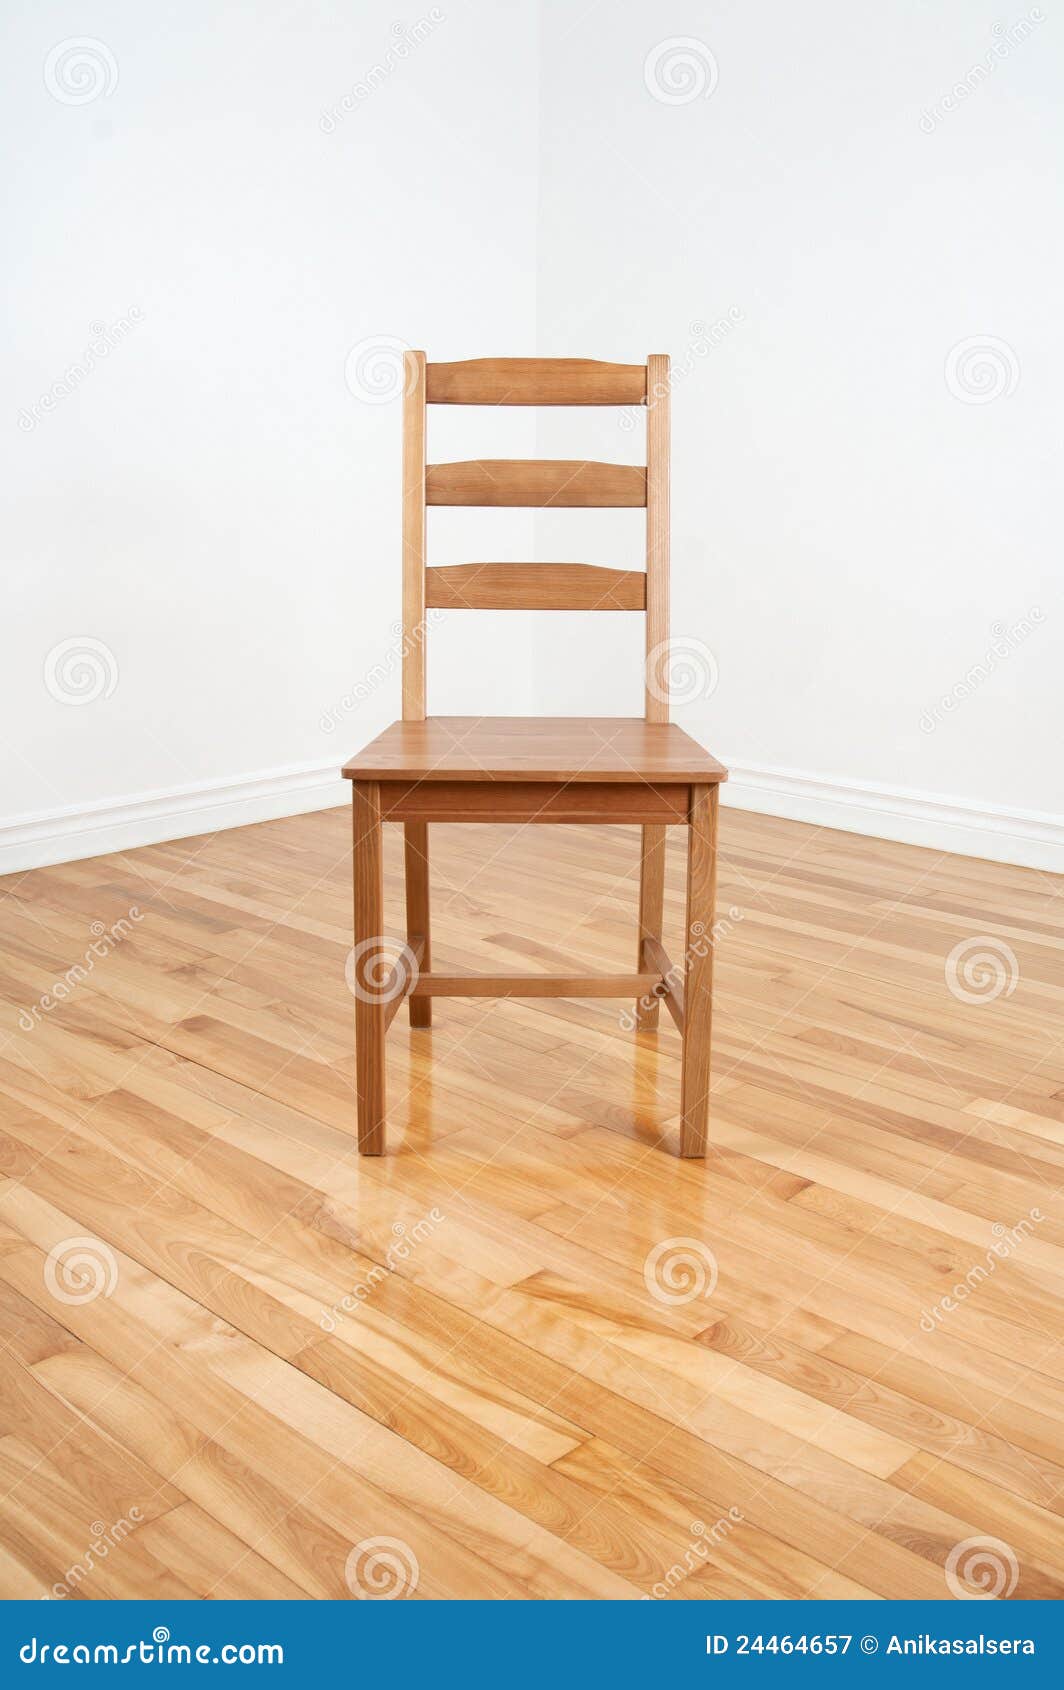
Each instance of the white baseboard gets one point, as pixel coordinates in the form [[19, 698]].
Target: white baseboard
[[92, 830], [1028, 837], [1031, 838]]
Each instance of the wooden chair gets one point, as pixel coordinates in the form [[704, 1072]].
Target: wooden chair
[[520, 769]]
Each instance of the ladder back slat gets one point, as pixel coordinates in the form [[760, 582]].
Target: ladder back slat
[[534, 586], [535, 482], [536, 381]]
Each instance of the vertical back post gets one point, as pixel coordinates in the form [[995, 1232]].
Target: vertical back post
[[414, 629], [652, 847], [657, 630]]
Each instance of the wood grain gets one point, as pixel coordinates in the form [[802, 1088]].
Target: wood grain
[[533, 985], [670, 989], [418, 915], [414, 626], [533, 482], [528, 801], [536, 381], [272, 1380], [651, 911], [698, 968], [371, 997], [534, 586], [657, 540], [535, 748]]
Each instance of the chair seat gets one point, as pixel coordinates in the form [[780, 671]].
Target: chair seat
[[536, 748]]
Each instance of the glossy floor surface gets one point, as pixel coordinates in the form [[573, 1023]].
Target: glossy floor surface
[[529, 1352]]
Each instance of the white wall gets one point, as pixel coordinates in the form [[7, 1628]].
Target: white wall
[[213, 505], [847, 530], [209, 501]]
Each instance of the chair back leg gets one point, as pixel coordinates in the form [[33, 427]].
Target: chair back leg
[[416, 846], [651, 910]]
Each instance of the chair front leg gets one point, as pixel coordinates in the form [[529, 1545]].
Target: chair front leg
[[416, 843], [698, 968], [370, 1005]]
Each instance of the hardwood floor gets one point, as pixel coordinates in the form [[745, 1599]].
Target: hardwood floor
[[526, 1353]]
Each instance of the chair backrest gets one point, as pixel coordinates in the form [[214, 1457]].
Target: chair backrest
[[535, 482]]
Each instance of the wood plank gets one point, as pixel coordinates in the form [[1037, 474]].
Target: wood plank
[[532, 985], [212, 1561], [531, 801], [534, 586], [548, 748], [1031, 1532], [535, 482], [536, 381]]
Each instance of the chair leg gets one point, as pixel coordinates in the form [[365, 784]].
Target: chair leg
[[370, 1007], [651, 910], [698, 968], [416, 842]]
